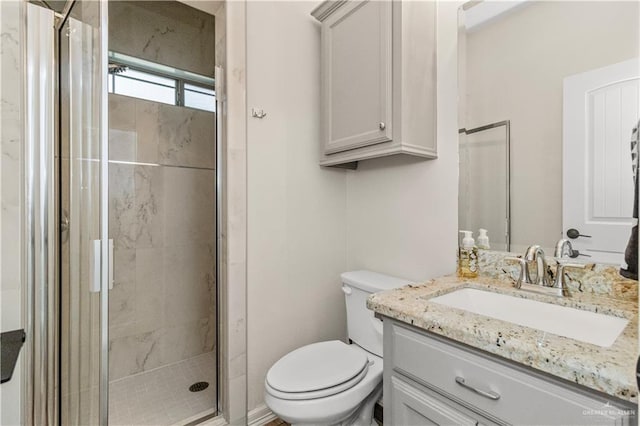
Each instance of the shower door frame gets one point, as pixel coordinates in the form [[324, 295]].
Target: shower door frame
[[103, 386], [41, 375], [104, 212]]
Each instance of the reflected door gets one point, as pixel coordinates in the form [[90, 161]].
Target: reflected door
[[601, 108], [83, 188]]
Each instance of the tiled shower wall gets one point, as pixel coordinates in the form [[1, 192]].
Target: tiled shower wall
[[165, 32], [162, 221]]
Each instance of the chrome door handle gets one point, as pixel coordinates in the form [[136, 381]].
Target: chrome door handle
[[487, 394]]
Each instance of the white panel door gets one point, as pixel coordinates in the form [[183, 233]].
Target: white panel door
[[357, 76], [601, 108]]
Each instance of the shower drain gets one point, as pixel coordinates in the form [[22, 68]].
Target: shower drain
[[199, 386]]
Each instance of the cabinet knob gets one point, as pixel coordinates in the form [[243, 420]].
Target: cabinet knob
[[382, 126]]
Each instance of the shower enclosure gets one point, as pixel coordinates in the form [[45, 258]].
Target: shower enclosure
[[138, 194]]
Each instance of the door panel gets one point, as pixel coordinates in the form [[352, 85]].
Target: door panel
[[601, 107], [82, 166], [357, 76]]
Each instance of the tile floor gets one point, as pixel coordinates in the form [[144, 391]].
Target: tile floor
[[161, 396]]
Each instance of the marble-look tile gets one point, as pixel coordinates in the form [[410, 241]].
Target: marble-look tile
[[189, 200], [187, 137], [122, 145], [164, 32], [122, 128], [134, 354], [147, 130], [150, 293], [183, 341], [122, 112], [135, 206], [189, 274], [122, 296]]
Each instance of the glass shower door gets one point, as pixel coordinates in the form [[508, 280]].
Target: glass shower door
[[84, 250]]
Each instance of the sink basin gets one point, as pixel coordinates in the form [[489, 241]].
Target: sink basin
[[589, 327]]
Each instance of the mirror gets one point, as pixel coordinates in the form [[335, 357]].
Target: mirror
[[549, 99]]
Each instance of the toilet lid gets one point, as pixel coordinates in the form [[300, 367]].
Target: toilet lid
[[316, 366]]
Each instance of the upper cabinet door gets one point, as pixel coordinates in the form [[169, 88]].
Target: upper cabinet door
[[357, 76]]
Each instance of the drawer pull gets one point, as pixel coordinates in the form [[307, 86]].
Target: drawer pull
[[486, 394]]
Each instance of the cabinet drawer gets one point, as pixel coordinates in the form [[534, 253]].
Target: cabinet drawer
[[415, 405], [510, 394]]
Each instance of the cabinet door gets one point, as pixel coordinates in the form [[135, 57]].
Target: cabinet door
[[412, 406], [357, 77]]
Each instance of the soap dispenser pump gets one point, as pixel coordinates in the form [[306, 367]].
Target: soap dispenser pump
[[467, 256], [483, 239]]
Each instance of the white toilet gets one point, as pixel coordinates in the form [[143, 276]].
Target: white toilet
[[332, 383]]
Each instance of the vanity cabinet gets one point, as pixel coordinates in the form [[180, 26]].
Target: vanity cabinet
[[432, 380], [378, 79]]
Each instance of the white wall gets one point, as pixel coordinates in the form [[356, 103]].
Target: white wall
[[296, 210], [402, 212], [515, 65], [11, 72]]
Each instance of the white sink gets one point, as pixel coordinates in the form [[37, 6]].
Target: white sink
[[589, 327]]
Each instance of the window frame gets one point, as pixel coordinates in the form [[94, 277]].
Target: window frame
[[179, 88]]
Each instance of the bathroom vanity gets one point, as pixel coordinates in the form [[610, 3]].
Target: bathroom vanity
[[445, 365]]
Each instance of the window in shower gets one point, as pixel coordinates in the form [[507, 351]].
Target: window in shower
[[154, 82]]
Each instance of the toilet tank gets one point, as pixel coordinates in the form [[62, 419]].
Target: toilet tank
[[363, 328]]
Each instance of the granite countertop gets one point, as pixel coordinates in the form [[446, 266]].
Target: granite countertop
[[610, 370]]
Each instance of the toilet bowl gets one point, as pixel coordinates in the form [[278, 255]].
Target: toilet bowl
[[342, 400], [334, 383]]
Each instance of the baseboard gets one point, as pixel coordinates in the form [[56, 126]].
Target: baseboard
[[260, 415]]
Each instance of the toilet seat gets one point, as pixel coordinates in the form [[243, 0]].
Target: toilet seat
[[316, 371], [295, 396]]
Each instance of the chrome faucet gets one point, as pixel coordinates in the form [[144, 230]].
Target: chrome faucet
[[540, 282], [563, 247], [535, 254]]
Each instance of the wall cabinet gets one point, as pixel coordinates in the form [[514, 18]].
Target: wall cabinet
[[431, 380], [378, 79]]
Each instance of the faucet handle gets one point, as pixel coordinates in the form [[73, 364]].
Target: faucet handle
[[563, 247], [560, 267], [523, 266]]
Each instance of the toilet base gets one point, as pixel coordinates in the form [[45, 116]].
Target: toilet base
[[362, 416]]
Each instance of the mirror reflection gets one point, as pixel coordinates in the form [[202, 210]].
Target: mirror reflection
[[549, 108]]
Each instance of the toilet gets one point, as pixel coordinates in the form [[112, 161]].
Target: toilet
[[334, 383]]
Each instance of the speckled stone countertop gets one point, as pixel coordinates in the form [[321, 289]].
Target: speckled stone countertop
[[610, 370]]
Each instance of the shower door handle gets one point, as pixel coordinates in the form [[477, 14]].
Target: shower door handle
[[94, 271], [111, 262]]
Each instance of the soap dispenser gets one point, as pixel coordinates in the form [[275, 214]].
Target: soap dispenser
[[467, 257], [483, 239]]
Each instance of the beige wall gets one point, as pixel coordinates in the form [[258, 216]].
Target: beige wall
[[401, 212], [296, 209], [515, 67], [308, 224]]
